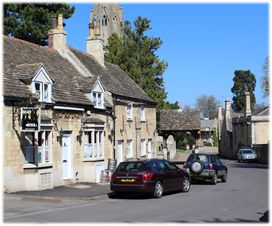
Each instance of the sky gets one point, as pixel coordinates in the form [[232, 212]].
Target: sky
[[203, 44]]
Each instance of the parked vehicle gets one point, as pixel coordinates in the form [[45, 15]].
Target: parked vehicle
[[206, 167], [246, 154], [154, 176]]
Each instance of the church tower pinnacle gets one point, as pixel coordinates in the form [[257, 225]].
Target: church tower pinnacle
[[109, 19]]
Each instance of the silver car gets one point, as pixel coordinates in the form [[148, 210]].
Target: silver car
[[246, 154]]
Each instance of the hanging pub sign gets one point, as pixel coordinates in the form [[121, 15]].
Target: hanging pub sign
[[30, 118]]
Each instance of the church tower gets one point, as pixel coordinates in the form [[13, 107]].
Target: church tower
[[109, 17]]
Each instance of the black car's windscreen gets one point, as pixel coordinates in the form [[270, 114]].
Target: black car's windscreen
[[132, 167]]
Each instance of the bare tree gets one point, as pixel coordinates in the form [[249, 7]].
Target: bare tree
[[207, 105], [265, 78]]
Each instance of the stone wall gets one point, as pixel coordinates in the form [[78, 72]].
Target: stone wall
[[135, 129], [262, 153]]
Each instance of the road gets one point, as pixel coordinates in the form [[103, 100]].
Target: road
[[244, 198]]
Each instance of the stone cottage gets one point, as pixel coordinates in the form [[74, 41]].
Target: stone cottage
[[67, 113]]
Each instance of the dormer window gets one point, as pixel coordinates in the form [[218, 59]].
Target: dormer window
[[42, 91], [42, 85], [130, 112], [98, 99]]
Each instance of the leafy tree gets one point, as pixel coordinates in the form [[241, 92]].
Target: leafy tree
[[31, 22], [265, 78], [135, 53], [243, 80], [168, 105], [207, 106]]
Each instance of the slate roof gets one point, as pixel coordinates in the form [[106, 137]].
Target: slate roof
[[112, 77], [208, 123], [22, 59], [262, 112], [177, 120]]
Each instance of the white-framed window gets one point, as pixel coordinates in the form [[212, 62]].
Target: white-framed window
[[44, 141], [142, 113], [143, 147], [98, 99], [43, 91], [129, 149], [94, 144], [130, 112]]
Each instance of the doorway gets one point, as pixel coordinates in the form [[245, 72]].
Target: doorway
[[66, 156]]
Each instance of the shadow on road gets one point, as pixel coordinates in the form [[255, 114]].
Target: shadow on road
[[235, 220], [247, 165], [139, 196], [114, 195], [265, 217]]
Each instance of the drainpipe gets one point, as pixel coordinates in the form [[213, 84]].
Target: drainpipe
[[114, 122]]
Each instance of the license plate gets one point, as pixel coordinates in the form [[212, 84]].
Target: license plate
[[128, 180]]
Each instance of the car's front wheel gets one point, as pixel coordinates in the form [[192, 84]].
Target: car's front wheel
[[224, 177], [186, 184], [214, 179], [158, 191]]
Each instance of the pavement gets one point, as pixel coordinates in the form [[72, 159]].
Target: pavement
[[73, 191]]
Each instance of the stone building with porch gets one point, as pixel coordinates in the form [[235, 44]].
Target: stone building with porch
[[178, 120], [67, 112]]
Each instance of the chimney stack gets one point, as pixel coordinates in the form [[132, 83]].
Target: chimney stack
[[227, 106], [56, 34], [248, 108], [95, 44], [220, 116]]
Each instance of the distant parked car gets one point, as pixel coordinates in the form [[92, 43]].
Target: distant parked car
[[206, 167], [246, 154], [154, 176]]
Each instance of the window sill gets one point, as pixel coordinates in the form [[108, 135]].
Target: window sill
[[29, 166], [97, 107], [93, 160], [40, 165]]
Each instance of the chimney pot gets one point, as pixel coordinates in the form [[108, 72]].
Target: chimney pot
[[97, 32], [91, 28], [60, 22], [53, 22]]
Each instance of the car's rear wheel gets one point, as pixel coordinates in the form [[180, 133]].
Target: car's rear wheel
[[224, 177], [158, 191], [214, 179], [186, 184]]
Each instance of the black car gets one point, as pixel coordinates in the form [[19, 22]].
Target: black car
[[206, 166], [154, 176]]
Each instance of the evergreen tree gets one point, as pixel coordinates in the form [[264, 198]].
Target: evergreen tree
[[243, 80], [31, 22], [135, 53]]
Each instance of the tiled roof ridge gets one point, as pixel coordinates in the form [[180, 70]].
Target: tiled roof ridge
[[87, 55], [25, 64], [29, 43]]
